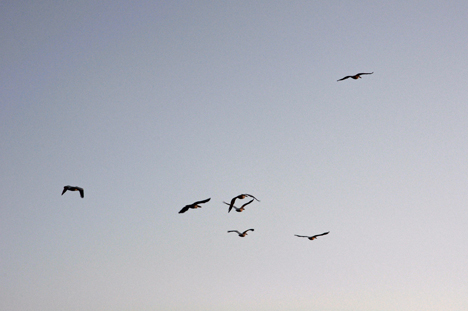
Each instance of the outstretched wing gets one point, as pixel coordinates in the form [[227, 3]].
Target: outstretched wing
[[234, 231], [248, 231], [184, 209], [321, 234], [301, 236], [232, 204], [64, 189], [365, 73], [247, 203], [201, 202], [81, 192], [249, 195], [344, 78]]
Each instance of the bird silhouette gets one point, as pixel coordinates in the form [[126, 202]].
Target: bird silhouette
[[73, 188], [243, 234], [312, 237], [193, 205], [240, 209], [240, 197], [356, 76]]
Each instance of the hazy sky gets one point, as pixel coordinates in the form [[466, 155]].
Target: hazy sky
[[152, 105]]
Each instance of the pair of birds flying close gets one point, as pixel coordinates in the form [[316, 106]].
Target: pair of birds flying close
[[240, 197], [73, 188]]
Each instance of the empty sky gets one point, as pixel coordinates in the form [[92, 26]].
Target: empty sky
[[152, 105]]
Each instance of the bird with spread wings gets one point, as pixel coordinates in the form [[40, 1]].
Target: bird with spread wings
[[312, 237], [73, 188], [193, 205], [356, 76], [243, 234]]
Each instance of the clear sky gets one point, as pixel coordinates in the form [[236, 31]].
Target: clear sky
[[152, 105]]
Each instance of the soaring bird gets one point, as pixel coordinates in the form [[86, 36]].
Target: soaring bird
[[193, 205], [356, 76], [243, 234], [239, 209], [240, 197], [312, 237], [73, 188]]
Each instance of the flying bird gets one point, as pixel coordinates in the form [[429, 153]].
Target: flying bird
[[193, 205], [243, 234], [312, 237], [73, 188], [238, 209], [240, 197], [356, 76]]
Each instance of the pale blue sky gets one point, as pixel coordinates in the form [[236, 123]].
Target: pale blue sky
[[152, 105]]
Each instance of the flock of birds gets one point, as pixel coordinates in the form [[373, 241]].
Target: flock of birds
[[231, 205], [196, 205]]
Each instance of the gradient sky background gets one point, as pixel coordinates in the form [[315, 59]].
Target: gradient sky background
[[152, 105]]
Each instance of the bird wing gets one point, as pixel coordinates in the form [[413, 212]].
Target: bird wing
[[344, 78], [248, 231], [184, 209], [81, 192], [252, 197], [301, 236], [232, 204], [234, 231], [200, 202], [247, 203], [230, 207], [64, 189], [364, 73], [321, 234]]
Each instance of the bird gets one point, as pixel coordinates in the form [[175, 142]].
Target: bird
[[240, 197], [312, 237], [356, 76], [241, 208], [243, 234], [193, 205], [73, 188]]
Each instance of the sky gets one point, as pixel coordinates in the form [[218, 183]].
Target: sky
[[153, 105]]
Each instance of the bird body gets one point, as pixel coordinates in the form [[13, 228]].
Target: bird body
[[356, 76], [73, 188], [240, 197], [193, 205], [240, 209], [243, 234], [313, 237]]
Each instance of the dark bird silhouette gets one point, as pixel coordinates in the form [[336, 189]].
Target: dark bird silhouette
[[73, 188], [356, 76], [239, 209], [240, 197], [193, 205], [243, 234], [312, 237]]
